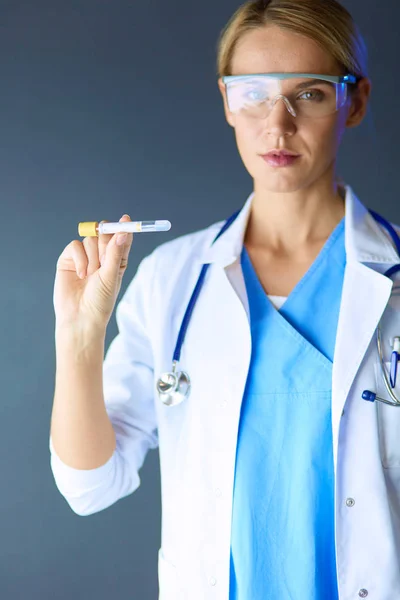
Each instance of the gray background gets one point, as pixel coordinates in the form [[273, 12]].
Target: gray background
[[109, 107]]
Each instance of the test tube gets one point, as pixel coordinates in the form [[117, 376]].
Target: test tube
[[94, 228]]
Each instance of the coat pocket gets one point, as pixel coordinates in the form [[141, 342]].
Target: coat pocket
[[167, 579], [388, 419]]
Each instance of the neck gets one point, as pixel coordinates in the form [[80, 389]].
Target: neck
[[285, 223]]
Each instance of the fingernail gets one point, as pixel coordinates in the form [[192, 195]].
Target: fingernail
[[121, 239], [102, 260]]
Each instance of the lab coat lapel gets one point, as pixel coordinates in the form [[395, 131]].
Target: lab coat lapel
[[365, 292], [364, 297]]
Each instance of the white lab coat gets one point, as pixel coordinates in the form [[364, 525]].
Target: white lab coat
[[197, 439]]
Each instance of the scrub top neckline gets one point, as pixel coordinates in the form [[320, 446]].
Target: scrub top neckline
[[306, 345], [334, 236], [315, 264]]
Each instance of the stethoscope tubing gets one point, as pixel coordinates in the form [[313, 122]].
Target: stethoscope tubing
[[168, 383], [195, 295]]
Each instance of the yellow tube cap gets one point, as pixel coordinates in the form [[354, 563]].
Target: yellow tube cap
[[88, 228]]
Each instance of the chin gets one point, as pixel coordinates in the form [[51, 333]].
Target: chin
[[280, 183]]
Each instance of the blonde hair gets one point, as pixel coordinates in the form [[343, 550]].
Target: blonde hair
[[325, 21]]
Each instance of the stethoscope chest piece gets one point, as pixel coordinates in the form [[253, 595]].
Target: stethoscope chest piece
[[173, 387]]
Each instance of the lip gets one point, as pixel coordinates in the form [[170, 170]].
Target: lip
[[280, 160], [282, 152]]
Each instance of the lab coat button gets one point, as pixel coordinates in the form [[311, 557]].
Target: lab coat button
[[213, 581], [350, 502], [218, 493], [363, 593]]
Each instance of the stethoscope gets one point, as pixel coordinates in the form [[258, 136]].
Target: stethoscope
[[174, 387]]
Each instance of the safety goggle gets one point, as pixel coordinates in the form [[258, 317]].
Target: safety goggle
[[304, 94]]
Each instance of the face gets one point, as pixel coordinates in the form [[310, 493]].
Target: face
[[272, 49]]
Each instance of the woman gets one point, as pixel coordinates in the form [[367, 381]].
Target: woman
[[278, 479]]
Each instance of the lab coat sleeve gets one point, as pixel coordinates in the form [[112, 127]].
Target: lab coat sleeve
[[129, 400]]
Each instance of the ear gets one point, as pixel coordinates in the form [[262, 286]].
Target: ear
[[359, 103], [228, 114]]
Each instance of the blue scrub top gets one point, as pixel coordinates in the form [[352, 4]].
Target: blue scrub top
[[283, 543]]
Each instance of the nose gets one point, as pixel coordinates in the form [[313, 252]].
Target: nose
[[280, 121]]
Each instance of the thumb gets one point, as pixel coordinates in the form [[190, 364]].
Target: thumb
[[113, 262]]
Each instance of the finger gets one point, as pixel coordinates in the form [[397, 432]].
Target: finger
[[128, 243], [115, 259], [103, 240], [91, 247], [73, 258]]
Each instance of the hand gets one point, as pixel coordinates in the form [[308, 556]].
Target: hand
[[88, 280]]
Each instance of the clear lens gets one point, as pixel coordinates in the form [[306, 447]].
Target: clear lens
[[255, 97]]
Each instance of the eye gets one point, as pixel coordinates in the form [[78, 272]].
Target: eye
[[255, 95], [316, 95]]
